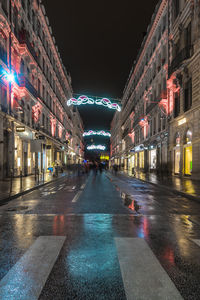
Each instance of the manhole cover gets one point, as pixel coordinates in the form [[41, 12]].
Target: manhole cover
[[19, 208]]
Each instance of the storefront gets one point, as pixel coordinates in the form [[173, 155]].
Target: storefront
[[188, 153], [177, 154], [131, 162], [141, 160], [152, 158], [24, 159]]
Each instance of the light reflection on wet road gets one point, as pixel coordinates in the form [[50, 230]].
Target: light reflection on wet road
[[88, 266]]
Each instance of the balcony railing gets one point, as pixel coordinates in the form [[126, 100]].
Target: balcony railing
[[24, 82], [185, 53]]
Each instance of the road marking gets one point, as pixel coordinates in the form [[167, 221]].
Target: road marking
[[51, 188], [77, 196], [83, 186], [197, 242], [143, 276], [27, 277]]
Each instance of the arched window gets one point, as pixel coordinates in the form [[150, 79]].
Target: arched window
[[188, 137], [177, 139]]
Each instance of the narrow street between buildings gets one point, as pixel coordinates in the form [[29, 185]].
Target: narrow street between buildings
[[100, 236]]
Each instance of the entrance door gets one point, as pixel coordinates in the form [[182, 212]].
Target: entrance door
[[177, 157], [188, 160]]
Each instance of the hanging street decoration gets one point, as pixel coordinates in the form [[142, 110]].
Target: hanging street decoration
[[92, 132], [96, 147], [86, 100]]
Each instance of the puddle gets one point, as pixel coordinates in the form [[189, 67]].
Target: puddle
[[130, 203], [19, 208]]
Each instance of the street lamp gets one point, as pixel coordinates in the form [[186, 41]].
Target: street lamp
[[8, 76]]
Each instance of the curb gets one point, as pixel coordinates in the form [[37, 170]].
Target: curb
[[189, 196], [7, 199]]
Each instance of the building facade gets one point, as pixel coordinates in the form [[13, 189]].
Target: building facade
[[144, 116], [184, 85], [160, 106], [36, 125]]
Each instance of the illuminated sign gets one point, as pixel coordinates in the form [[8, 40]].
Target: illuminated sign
[[101, 133], [182, 121], [104, 157], [20, 128], [96, 147], [86, 100], [139, 148]]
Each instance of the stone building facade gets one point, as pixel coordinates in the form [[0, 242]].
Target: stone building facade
[[184, 85], [160, 107], [36, 125], [144, 116]]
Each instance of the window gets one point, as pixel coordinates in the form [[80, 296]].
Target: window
[[188, 36], [44, 93], [176, 8], [39, 87], [154, 125], [188, 95], [176, 104]]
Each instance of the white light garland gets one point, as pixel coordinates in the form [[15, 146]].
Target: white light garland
[[86, 100], [101, 133], [96, 147]]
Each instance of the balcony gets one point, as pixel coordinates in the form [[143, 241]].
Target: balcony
[[24, 82], [24, 39], [185, 53]]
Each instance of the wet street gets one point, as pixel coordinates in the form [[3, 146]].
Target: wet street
[[100, 237]]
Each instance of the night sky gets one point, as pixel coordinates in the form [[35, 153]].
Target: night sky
[[98, 42]]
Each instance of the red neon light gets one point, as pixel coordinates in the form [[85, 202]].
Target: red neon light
[[144, 124], [36, 111], [60, 131], [53, 126], [167, 101], [132, 136]]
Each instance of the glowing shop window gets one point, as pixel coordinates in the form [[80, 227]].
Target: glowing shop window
[[153, 159], [177, 156], [29, 162], [141, 159], [188, 160], [18, 161]]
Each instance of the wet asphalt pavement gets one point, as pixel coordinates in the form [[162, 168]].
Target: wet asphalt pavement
[[115, 238]]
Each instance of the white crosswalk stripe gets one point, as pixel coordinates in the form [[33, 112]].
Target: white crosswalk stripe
[[27, 277], [143, 276]]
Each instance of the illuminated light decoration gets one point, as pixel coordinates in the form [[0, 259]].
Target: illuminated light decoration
[[132, 118], [60, 129], [101, 133], [132, 136], [182, 121], [144, 124], [53, 126], [86, 100], [96, 147], [36, 111], [167, 102]]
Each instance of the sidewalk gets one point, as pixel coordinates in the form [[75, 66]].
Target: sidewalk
[[183, 186], [28, 184]]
